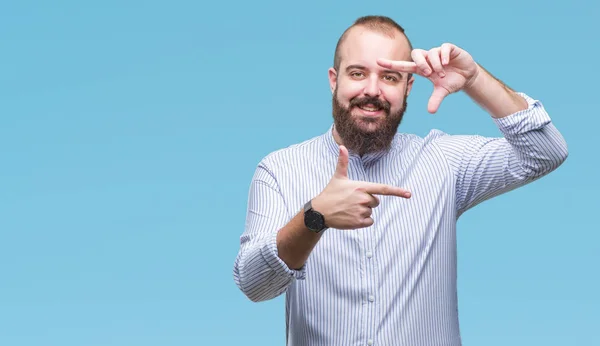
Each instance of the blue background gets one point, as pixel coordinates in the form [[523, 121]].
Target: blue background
[[129, 132]]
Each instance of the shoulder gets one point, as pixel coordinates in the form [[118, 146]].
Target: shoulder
[[294, 154], [429, 149], [409, 141], [437, 139]]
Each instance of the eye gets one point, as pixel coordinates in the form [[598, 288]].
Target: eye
[[356, 74], [390, 78]]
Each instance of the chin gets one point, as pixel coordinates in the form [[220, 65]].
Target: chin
[[368, 124]]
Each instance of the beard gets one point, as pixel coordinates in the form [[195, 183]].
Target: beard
[[365, 135]]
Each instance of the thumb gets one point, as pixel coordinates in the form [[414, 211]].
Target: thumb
[[439, 93], [341, 170]]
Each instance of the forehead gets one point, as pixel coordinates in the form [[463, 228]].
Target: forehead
[[365, 46]]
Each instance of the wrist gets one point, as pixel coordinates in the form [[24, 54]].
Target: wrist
[[474, 81], [314, 217], [317, 204]]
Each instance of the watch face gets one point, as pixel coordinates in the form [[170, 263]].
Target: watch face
[[314, 221]]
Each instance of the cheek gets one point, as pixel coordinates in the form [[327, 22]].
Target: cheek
[[347, 91], [344, 96], [395, 97]]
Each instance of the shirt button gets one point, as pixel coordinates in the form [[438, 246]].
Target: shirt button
[[371, 298], [369, 254], [370, 342]]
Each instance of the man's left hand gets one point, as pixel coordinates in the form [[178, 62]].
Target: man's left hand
[[448, 67]]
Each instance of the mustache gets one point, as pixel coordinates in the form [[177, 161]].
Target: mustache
[[360, 102]]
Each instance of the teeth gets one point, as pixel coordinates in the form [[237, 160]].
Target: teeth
[[370, 109]]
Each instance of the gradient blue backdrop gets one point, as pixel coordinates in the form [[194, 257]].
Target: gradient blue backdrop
[[129, 132]]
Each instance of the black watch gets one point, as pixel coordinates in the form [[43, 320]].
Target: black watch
[[313, 220]]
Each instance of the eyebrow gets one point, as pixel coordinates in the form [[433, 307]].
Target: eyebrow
[[360, 67]]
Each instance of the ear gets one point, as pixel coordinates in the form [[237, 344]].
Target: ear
[[409, 84], [332, 79]]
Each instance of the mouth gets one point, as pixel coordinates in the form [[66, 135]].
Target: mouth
[[370, 110]]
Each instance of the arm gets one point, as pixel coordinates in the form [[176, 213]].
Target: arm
[[493, 96], [274, 250], [295, 242], [258, 271], [486, 167], [531, 148]]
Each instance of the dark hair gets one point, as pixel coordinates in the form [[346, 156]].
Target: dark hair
[[381, 24]]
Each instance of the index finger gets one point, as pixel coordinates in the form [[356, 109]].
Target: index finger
[[397, 65], [383, 189]]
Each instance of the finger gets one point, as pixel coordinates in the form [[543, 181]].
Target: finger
[[383, 189], [445, 53], [418, 56], [397, 65], [373, 201], [366, 212], [341, 170], [438, 95], [369, 200], [367, 222], [435, 61]]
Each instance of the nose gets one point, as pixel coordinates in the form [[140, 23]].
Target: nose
[[372, 87]]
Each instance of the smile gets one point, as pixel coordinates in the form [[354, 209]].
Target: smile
[[370, 109]]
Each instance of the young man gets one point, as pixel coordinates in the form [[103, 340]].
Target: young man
[[357, 226]]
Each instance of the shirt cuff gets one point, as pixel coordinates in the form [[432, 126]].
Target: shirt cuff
[[271, 256], [530, 119]]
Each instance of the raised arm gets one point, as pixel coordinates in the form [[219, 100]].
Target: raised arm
[[486, 167], [530, 148]]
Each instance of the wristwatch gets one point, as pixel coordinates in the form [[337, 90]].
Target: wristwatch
[[313, 220]]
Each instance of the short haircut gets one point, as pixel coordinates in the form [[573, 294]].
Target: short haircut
[[382, 24]]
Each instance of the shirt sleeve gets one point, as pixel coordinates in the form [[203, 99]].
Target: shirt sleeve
[[530, 148], [259, 272]]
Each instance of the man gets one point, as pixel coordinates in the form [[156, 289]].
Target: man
[[357, 226]]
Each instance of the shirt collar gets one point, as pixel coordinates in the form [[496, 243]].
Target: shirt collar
[[366, 159]]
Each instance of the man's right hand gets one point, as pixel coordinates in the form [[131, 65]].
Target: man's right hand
[[348, 204]]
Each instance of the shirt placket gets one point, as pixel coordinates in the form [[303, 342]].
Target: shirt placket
[[369, 291]]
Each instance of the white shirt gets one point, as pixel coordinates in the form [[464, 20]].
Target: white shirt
[[393, 283]]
